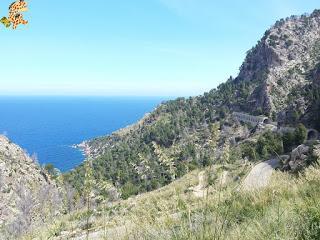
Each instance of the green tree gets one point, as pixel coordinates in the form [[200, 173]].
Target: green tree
[[269, 144], [226, 152], [51, 170], [128, 190], [288, 139], [215, 135], [166, 160], [248, 149], [300, 134]]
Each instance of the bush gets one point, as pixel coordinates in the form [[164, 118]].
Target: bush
[[128, 190], [269, 144], [248, 149], [51, 170], [292, 139], [288, 139], [300, 134]]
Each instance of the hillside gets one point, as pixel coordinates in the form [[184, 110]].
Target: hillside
[[238, 162], [26, 191], [284, 70], [279, 78], [287, 208]]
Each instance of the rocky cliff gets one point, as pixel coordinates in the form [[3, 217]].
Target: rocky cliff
[[26, 190], [284, 60]]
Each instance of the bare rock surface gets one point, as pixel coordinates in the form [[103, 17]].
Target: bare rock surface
[[200, 190], [279, 63], [260, 175], [301, 157]]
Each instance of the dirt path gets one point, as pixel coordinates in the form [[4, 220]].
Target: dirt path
[[259, 176]]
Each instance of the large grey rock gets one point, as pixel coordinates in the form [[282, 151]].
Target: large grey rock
[[260, 175], [298, 159], [299, 153]]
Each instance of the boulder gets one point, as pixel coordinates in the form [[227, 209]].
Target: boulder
[[200, 190], [298, 159]]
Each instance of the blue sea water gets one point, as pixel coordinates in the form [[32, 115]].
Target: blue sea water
[[49, 126]]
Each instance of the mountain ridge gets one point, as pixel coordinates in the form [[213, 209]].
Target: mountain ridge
[[279, 78], [188, 137]]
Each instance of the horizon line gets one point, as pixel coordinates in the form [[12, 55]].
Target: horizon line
[[98, 96]]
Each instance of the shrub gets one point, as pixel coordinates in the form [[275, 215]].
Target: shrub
[[288, 141], [128, 190], [248, 149], [51, 170], [269, 144], [300, 134]]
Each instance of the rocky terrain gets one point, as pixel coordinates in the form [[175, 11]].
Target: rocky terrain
[[279, 79], [280, 62], [180, 170], [26, 190]]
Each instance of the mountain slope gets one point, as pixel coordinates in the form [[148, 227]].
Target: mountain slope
[[279, 78], [288, 208], [25, 190], [281, 63]]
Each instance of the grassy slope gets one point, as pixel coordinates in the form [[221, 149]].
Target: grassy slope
[[288, 209]]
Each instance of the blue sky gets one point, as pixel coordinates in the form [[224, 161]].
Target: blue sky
[[133, 47]]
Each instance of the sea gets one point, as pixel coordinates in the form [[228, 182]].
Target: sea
[[48, 127]]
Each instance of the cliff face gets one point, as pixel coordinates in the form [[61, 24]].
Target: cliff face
[[25, 189], [281, 63]]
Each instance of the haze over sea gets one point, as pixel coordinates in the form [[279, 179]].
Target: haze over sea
[[49, 126]]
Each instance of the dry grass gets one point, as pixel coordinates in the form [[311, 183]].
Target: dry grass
[[288, 209]]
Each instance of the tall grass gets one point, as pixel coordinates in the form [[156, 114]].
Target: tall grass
[[289, 208]]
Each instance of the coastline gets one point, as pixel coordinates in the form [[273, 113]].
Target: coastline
[[92, 152], [83, 148]]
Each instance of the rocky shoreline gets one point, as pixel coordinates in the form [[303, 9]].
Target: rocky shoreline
[[84, 148]]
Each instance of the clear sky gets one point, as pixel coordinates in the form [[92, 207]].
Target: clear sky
[[133, 47]]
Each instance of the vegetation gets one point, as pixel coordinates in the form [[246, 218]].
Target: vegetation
[[312, 92], [268, 145], [292, 139], [173, 140], [51, 170], [169, 137], [287, 209], [177, 138], [88, 188], [168, 149]]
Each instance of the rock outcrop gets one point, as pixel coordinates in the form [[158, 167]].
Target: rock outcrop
[[200, 190], [280, 62], [301, 157], [26, 190], [260, 175]]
